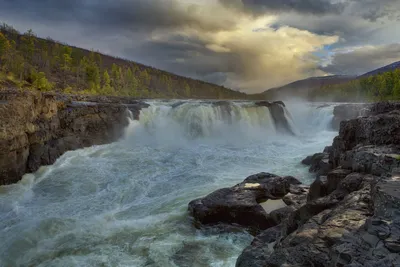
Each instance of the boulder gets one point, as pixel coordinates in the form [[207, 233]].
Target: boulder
[[247, 204]]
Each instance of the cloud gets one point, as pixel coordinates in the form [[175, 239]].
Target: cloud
[[317, 7], [250, 45], [359, 60]]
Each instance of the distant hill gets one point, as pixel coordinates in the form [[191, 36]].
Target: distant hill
[[310, 88], [390, 67], [303, 88], [31, 62]]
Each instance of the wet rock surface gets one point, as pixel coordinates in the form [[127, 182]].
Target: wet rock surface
[[350, 215], [244, 204], [349, 111], [38, 128]]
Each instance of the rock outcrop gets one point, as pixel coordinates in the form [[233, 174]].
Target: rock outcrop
[[349, 111], [249, 204], [38, 128], [279, 115], [350, 215]]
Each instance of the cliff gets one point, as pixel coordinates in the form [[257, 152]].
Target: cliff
[[37, 128]]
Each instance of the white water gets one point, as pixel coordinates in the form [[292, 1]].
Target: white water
[[124, 204]]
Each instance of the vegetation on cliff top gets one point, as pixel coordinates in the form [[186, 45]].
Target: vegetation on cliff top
[[27, 61]]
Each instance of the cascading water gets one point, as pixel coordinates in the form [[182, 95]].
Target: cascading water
[[124, 204], [207, 120]]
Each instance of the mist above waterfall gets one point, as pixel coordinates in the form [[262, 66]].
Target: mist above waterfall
[[124, 204]]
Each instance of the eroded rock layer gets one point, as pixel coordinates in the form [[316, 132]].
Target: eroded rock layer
[[37, 128]]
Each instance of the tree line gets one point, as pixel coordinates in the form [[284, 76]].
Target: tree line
[[28, 61], [378, 87]]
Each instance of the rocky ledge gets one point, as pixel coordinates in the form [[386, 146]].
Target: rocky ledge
[[37, 128], [349, 216]]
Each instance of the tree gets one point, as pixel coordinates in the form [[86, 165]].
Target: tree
[[187, 89], [115, 77], [92, 75], [4, 45], [28, 41], [107, 89], [66, 59], [132, 83], [40, 81]]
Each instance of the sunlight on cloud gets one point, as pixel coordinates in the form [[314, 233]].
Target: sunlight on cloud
[[262, 58]]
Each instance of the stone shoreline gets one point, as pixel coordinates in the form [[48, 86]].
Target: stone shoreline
[[349, 216]]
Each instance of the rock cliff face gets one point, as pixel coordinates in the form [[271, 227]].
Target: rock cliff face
[[37, 128], [349, 216]]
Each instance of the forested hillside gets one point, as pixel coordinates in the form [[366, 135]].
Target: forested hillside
[[27, 61], [378, 87]]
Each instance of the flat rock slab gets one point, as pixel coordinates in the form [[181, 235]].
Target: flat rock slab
[[271, 205]]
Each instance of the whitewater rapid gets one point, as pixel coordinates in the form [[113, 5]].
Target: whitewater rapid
[[125, 204]]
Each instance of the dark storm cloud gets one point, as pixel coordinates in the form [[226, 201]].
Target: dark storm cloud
[[367, 9], [363, 59], [373, 10], [189, 56], [137, 15], [317, 7]]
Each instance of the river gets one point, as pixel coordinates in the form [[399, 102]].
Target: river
[[125, 204]]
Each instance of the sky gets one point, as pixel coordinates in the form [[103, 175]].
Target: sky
[[247, 45]]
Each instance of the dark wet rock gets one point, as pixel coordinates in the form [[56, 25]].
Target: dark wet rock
[[38, 128], [311, 242], [319, 188], [279, 215], [240, 205], [328, 149], [335, 177], [380, 130], [348, 111], [311, 159], [263, 103], [377, 160], [280, 117], [256, 254], [279, 103], [319, 163]]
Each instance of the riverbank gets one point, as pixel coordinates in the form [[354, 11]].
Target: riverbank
[[37, 128], [347, 217]]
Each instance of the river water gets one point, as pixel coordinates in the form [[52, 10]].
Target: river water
[[125, 204]]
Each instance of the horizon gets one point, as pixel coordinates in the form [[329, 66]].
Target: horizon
[[269, 43]]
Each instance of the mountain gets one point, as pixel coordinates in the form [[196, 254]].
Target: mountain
[[318, 86], [304, 87], [390, 67]]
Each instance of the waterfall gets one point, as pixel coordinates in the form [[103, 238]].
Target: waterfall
[[227, 121], [197, 119]]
